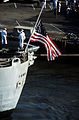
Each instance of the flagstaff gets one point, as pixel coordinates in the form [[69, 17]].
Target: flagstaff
[[36, 24]]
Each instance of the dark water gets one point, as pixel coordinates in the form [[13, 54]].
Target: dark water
[[51, 92]]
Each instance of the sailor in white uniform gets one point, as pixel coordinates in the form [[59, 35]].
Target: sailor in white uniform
[[21, 38], [59, 6], [44, 2], [55, 3], [4, 36]]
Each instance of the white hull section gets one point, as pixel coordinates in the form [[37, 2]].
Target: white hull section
[[12, 80]]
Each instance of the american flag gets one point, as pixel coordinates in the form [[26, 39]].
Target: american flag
[[40, 35]]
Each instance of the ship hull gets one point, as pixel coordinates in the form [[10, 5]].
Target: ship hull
[[12, 80]]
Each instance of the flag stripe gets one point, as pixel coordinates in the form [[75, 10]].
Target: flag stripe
[[53, 44], [45, 45]]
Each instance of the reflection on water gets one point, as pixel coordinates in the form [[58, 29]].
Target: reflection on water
[[51, 92]]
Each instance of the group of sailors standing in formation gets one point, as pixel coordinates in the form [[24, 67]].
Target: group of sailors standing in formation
[[70, 5], [54, 4], [22, 37]]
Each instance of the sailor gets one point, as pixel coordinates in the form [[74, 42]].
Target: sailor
[[55, 3], [68, 11], [21, 38], [4, 36], [51, 4], [74, 4], [59, 6], [44, 2]]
